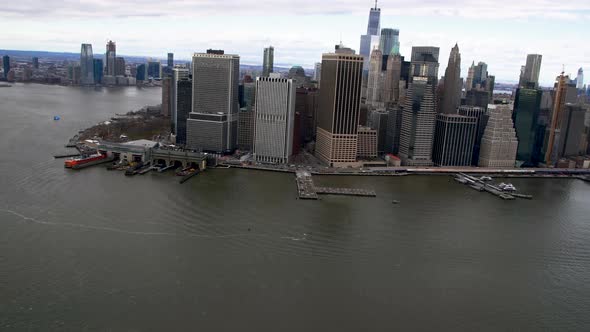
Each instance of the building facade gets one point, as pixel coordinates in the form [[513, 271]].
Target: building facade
[[367, 143], [454, 140], [499, 143], [339, 109], [451, 98], [532, 69], [170, 62], [418, 123], [370, 40], [275, 119], [268, 61], [374, 78], [110, 56], [246, 129], [183, 102], [529, 131], [482, 117], [86, 65], [98, 71], [389, 42], [212, 125]]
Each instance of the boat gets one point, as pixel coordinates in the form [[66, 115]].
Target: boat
[[507, 186], [486, 178], [84, 161], [395, 201]]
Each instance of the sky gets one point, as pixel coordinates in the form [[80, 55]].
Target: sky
[[498, 32]]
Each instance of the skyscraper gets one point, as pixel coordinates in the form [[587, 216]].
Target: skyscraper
[[394, 125], [532, 70], [35, 62], [183, 91], [499, 143], [418, 123], [470, 77], [268, 61], [480, 75], [559, 101], [178, 75], [389, 42], [530, 134], [454, 140], [451, 98], [120, 66], [212, 124], [275, 116], [86, 65], [98, 71], [374, 81], [110, 56], [141, 72], [166, 96], [481, 115], [573, 131], [339, 108], [370, 40], [580, 79], [170, 62], [154, 69], [317, 73], [425, 63], [6, 66]]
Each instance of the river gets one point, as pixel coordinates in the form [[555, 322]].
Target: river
[[234, 250]]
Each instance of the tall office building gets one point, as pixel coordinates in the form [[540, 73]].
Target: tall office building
[[246, 129], [374, 81], [6, 66], [418, 123], [424, 63], [529, 131], [339, 108], [212, 124], [394, 126], [141, 72], [532, 70], [370, 40], [377, 120], [454, 140], [120, 67], [35, 62], [389, 42], [275, 118], [480, 75], [499, 143], [110, 56], [470, 76], [183, 93], [481, 115], [98, 70], [573, 137], [580, 79], [559, 101], [393, 76], [166, 96], [86, 64], [268, 61], [317, 73], [180, 75], [170, 61], [366, 143], [154, 69], [451, 98]]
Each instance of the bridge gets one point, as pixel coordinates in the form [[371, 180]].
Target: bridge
[[178, 158]]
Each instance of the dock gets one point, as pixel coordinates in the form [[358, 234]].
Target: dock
[[67, 155], [482, 186], [188, 177], [307, 190]]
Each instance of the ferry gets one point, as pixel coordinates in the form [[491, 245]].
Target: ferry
[[81, 162]]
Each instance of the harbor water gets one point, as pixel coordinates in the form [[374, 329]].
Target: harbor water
[[235, 250]]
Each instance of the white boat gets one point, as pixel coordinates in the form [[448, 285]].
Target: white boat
[[486, 178]]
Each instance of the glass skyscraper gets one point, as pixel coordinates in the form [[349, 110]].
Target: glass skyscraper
[[86, 64], [527, 108], [141, 72], [371, 39], [268, 61], [6, 65], [98, 70], [389, 42]]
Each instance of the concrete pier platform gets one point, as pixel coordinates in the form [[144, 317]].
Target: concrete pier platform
[[307, 190]]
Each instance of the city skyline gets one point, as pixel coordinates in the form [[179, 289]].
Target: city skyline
[[499, 34]]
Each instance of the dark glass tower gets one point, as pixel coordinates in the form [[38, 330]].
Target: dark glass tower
[[86, 64], [389, 42], [527, 108], [184, 104], [6, 65], [98, 70], [268, 61], [141, 72], [454, 140], [170, 60]]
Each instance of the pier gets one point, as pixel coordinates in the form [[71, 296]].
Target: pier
[[482, 186], [307, 190]]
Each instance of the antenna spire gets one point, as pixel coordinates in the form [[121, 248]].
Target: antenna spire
[[375, 4]]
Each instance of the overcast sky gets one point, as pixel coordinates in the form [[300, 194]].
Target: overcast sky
[[498, 32]]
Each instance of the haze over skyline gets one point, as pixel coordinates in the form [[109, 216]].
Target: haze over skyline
[[500, 33]]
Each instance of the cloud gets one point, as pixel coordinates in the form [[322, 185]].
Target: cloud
[[482, 9]]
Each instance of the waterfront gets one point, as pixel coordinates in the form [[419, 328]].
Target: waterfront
[[234, 249]]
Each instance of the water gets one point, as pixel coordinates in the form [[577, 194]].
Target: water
[[234, 250]]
